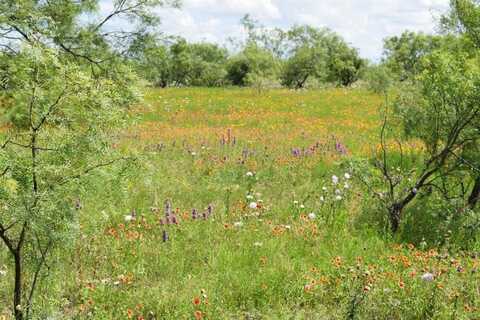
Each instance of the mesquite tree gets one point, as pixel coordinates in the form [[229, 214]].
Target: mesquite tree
[[442, 110], [440, 107], [63, 92]]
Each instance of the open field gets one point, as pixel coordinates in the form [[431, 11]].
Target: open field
[[273, 234]]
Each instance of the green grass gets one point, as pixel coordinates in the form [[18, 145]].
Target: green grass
[[279, 264]]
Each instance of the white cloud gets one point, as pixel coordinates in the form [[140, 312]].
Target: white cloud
[[264, 9]]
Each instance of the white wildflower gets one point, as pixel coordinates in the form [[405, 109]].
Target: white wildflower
[[249, 174], [129, 218], [258, 244], [312, 216], [253, 205], [3, 273], [338, 192], [334, 179], [288, 227], [302, 206], [322, 198], [338, 198], [324, 188], [104, 215], [238, 224], [295, 202], [347, 176], [346, 185], [194, 154], [428, 277], [249, 197]]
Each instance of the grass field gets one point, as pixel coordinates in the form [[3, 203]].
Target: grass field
[[273, 233]]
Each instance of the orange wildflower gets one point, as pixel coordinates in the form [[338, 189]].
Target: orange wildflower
[[197, 301], [198, 315], [308, 288], [263, 260], [337, 262]]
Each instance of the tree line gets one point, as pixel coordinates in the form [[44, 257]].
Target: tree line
[[290, 58]]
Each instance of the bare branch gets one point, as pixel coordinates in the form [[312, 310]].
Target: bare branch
[[27, 146], [4, 172], [51, 108], [41, 263], [8, 242]]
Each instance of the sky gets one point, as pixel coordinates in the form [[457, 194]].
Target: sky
[[363, 23]]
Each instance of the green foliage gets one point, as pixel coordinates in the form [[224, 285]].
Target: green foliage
[[152, 60], [439, 108], [379, 78], [344, 63], [268, 55], [306, 62], [209, 62], [252, 62], [432, 110], [464, 19], [319, 54], [403, 55], [179, 64]]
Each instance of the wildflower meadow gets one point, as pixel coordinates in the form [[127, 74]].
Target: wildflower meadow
[[244, 206]]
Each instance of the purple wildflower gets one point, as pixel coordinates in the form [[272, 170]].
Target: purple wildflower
[[174, 219], [340, 148], [168, 208]]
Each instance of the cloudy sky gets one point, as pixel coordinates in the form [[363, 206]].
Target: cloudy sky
[[363, 23]]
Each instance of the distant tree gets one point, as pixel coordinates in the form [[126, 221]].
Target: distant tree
[[252, 61], [208, 64], [320, 54], [270, 39], [152, 60], [306, 62], [344, 63], [182, 63]]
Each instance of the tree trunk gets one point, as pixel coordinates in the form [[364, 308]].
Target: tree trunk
[[301, 83], [475, 194], [17, 295], [395, 215]]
